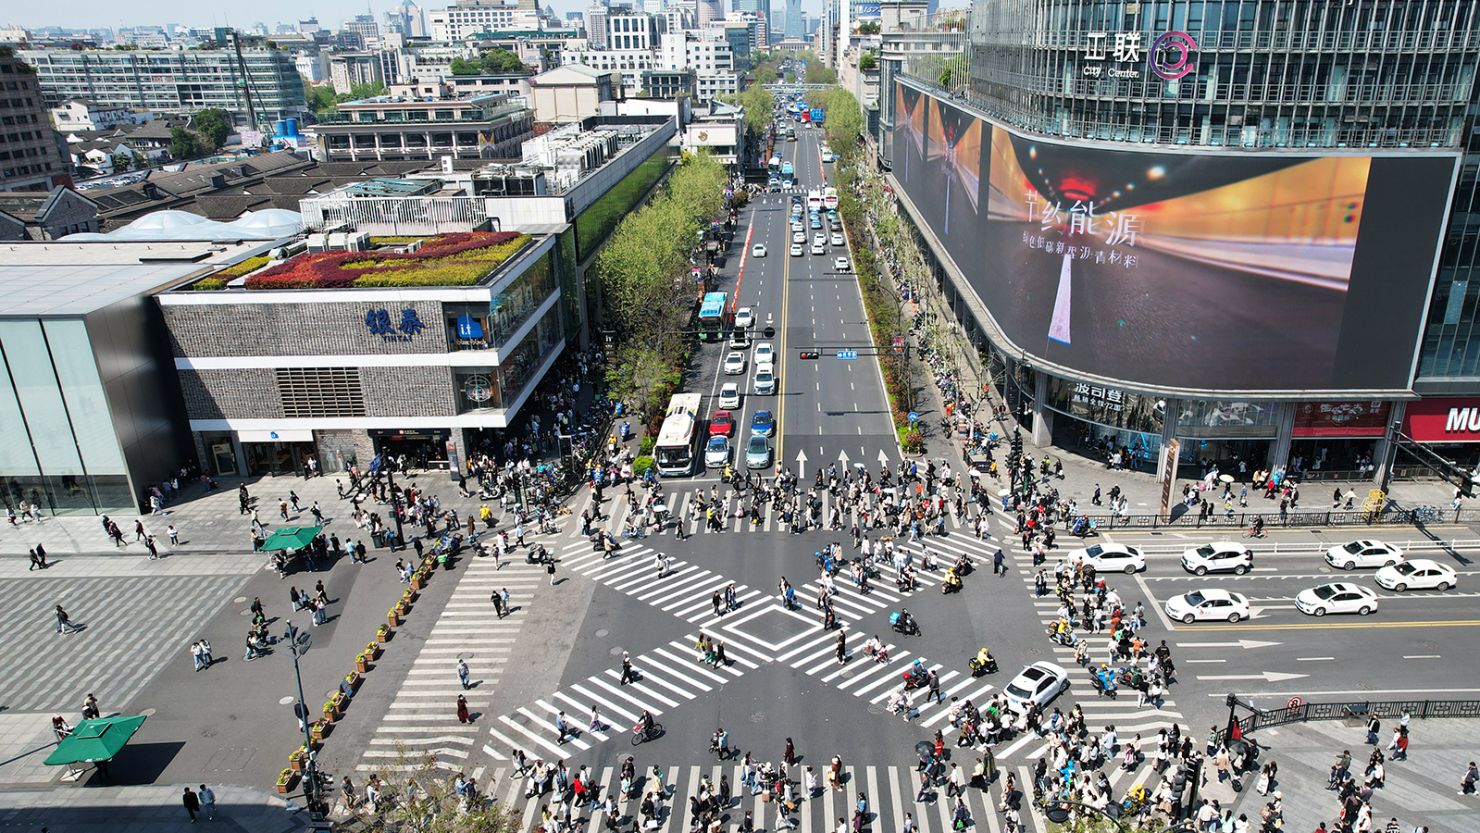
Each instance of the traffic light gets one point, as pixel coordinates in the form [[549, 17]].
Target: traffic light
[[811, 354], [769, 332]]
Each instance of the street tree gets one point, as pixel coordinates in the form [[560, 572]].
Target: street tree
[[212, 125], [183, 143], [419, 797]]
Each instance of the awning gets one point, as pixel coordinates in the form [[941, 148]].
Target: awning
[[291, 538], [280, 435], [95, 740]]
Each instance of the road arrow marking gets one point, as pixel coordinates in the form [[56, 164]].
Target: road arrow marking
[[1267, 676], [883, 458], [1242, 644], [801, 459], [843, 458]]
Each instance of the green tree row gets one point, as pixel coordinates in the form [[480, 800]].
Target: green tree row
[[206, 133], [646, 285], [496, 61]]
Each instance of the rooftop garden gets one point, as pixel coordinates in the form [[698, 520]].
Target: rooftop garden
[[455, 259]]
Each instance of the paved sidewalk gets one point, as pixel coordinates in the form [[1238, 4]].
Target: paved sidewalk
[[152, 809], [1422, 790]]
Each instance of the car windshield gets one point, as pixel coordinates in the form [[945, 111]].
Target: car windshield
[[1404, 568], [716, 443], [1094, 551], [1355, 546], [1018, 691], [1325, 591], [1205, 551], [1195, 598], [757, 443]]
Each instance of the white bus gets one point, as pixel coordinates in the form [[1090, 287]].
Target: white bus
[[814, 201], [830, 198], [676, 452]]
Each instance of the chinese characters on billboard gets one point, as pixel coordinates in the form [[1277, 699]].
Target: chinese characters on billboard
[[1205, 270]]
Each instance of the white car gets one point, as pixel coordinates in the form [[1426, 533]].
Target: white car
[[729, 396], [1363, 554], [1218, 557], [1418, 574], [837, 238], [1037, 684], [818, 249], [796, 225], [765, 380], [799, 236], [717, 452], [1216, 605], [734, 363], [840, 264], [819, 239], [744, 318], [758, 250], [1111, 558], [1337, 597], [796, 250], [764, 353]]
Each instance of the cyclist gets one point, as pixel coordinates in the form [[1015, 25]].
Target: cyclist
[[1257, 530], [644, 725]]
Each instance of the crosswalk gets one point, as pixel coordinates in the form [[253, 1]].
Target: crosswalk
[[134, 625], [602, 706], [683, 510], [422, 718], [891, 792]]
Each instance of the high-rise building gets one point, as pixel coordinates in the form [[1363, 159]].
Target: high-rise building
[[796, 21], [761, 8], [170, 81], [29, 157], [1245, 226], [470, 17]]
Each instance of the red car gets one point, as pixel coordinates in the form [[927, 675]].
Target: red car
[[721, 423]]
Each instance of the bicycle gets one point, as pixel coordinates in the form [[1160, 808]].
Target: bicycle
[[639, 736], [1425, 514]]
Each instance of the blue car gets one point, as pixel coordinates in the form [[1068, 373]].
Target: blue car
[[763, 423]]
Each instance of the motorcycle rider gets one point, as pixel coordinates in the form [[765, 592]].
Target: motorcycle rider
[[984, 659]]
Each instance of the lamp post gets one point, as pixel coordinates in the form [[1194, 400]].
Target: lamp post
[[310, 768]]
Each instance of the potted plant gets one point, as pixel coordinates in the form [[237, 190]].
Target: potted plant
[[353, 679], [362, 663], [318, 729], [410, 595], [372, 651], [418, 578], [296, 759], [331, 711], [285, 781], [383, 632], [393, 617]]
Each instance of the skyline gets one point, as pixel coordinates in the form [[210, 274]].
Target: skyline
[[95, 14]]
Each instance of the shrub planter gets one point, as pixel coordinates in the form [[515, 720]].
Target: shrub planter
[[382, 633], [393, 617], [319, 729], [353, 678], [372, 651], [295, 760], [285, 781], [362, 663]]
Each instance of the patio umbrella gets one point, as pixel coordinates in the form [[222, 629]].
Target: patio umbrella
[[290, 538], [95, 740]]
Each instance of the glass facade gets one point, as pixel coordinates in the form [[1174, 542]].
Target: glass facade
[[498, 387], [60, 448], [507, 311]]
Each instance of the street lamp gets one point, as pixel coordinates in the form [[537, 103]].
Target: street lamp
[[310, 768]]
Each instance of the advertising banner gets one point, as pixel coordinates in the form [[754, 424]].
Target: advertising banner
[[1200, 270], [1341, 419], [1443, 419]]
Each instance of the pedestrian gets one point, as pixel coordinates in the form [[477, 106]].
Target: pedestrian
[[462, 673], [504, 599], [191, 802], [627, 675], [562, 728], [90, 707], [462, 710], [174, 535], [842, 647], [195, 655], [208, 802], [35, 562], [498, 603], [1467, 782], [999, 566], [550, 570], [790, 755], [139, 531], [152, 547], [64, 622]]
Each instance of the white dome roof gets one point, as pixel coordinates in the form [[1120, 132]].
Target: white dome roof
[[268, 224]]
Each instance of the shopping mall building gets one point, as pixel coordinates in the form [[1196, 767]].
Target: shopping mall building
[[1244, 224]]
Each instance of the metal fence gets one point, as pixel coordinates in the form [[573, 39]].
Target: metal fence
[[394, 215], [1354, 710], [1418, 516]]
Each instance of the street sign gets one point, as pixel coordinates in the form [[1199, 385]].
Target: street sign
[[913, 417], [1295, 703], [898, 342], [847, 355]]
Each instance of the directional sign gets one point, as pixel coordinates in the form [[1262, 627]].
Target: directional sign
[[847, 355], [913, 417]]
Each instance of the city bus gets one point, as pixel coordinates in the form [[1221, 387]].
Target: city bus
[[830, 198], [814, 201], [714, 316], [677, 450]]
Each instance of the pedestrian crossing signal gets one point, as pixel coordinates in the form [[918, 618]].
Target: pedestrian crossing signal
[[811, 354]]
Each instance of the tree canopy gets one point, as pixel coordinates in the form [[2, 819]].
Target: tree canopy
[[184, 144], [496, 61], [212, 125]]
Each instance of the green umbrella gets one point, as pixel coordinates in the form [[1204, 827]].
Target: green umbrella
[[290, 538], [95, 740]]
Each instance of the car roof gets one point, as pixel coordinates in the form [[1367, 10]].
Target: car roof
[[1210, 593], [728, 386], [1425, 563]]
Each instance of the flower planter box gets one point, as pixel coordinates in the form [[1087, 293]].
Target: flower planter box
[[382, 634], [319, 729], [295, 762], [393, 618], [353, 678], [362, 664], [285, 781], [372, 651]]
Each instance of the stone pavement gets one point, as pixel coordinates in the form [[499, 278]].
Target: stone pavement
[[1422, 790], [144, 809]]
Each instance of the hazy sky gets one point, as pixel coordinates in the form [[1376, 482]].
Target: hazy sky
[[95, 13]]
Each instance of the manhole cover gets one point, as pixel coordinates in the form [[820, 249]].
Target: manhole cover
[[238, 600], [601, 634], [616, 650], [283, 701], [877, 708]]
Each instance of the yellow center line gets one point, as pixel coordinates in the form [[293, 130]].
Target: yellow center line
[[785, 307], [1311, 626]]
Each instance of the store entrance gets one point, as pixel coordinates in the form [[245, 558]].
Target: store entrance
[[1329, 459], [1240, 458], [276, 458], [425, 449]]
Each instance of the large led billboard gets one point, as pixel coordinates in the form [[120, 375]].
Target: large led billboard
[[1202, 270]]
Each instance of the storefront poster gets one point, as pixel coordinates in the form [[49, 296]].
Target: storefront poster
[[1341, 419]]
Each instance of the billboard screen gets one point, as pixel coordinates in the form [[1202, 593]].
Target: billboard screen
[[1203, 270]]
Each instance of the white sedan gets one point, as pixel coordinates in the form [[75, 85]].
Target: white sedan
[[840, 264], [734, 363], [758, 250], [764, 353], [1418, 574], [1037, 685], [744, 318], [1218, 557], [1215, 605], [1363, 554], [837, 238], [729, 396], [799, 237], [1111, 558], [1337, 597], [796, 250]]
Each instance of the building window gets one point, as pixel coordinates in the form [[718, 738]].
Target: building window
[[321, 392]]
